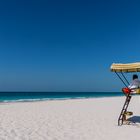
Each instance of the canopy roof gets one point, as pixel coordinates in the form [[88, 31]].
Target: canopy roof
[[130, 67]]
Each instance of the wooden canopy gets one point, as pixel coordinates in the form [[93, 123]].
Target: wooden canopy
[[129, 67]]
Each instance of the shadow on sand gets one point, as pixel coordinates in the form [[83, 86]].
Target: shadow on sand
[[134, 119]]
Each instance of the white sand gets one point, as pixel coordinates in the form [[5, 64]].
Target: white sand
[[80, 119]]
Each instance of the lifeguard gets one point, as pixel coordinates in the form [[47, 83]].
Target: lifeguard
[[130, 89]]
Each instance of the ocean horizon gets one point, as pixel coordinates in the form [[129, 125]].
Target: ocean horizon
[[37, 96]]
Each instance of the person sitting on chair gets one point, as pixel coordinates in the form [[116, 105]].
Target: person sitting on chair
[[135, 84]]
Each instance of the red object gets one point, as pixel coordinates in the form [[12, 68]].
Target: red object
[[126, 90]]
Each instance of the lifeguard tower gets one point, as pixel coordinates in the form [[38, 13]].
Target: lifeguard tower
[[120, 69]]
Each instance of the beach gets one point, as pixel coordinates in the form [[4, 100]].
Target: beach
[[74, 119]]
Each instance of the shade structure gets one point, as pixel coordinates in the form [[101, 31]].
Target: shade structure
[[129, 67]]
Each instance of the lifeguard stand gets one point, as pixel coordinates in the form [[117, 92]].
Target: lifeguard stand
[[120, 69]]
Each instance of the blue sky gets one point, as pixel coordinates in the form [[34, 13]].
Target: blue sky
[[49, 45]]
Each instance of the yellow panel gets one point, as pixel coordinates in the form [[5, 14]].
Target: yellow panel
[[131, 67]]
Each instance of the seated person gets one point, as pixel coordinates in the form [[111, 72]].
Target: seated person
[[135, 84]]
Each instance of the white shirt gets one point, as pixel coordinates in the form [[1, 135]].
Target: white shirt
[[135, 84]]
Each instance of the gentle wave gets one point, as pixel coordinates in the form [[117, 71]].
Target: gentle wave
[[41, 96], [44, 99], [48, 99]]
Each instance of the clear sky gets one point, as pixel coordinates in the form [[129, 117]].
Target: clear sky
[[66, 45]]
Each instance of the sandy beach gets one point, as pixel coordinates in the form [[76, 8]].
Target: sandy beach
[[77, 119]]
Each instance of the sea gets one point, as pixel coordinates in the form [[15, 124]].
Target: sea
[[38, 96]]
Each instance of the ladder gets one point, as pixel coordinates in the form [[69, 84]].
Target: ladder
[[124, 110]]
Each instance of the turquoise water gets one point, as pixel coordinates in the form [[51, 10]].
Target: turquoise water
[[34, 96]]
